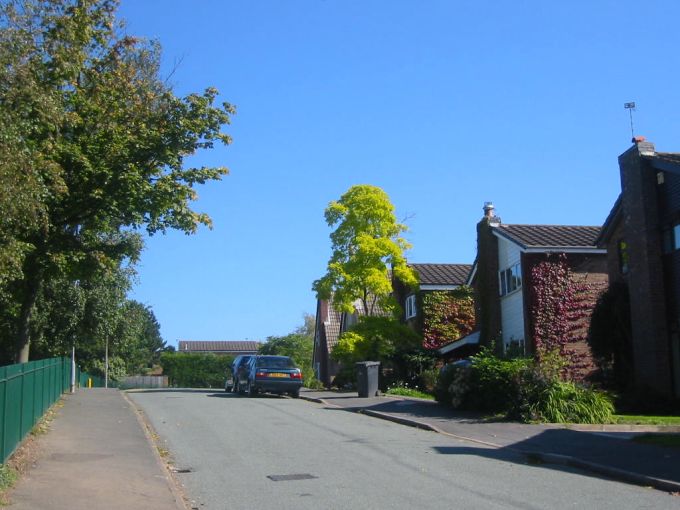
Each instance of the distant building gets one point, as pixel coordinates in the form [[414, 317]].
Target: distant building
[[232, 348]]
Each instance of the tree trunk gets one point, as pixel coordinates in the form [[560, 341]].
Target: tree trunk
[[32, 287]]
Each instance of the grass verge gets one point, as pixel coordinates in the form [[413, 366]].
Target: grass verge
[[630, 419], [409, 392], [670, 440]]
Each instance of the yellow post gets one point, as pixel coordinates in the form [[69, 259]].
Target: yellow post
[[89, 382]]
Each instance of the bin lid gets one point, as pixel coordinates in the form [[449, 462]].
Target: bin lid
[[367, 363]]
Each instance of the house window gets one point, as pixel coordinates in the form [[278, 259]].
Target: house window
[[411, 306], [510, 279], [623, 256], [671, 239]]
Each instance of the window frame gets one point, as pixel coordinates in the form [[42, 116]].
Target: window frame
[[510, 279], [410, 308]]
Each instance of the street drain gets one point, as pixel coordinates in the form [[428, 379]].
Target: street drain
[[181, 470], [288, 478]]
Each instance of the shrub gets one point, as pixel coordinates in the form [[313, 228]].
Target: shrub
[[195, 370], [428, 380], [453, 384], [520, 389], [494, 383], [567, 402]]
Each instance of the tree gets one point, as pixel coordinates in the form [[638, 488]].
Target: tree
[[382, 339], [366, 243], [108, 144], [298, 345]]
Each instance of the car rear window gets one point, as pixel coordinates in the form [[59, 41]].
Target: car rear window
[[275, 363]]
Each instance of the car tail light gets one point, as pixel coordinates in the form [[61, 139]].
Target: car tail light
[[260, 374], [296, 375]]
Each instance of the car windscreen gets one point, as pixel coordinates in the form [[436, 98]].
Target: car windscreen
[[275, 363]]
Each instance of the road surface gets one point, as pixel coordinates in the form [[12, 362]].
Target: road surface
[[268, 453]]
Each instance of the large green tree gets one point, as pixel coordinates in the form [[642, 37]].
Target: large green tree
[[103, 142], [366, 244]]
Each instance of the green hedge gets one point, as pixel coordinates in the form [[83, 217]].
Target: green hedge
[[186, 370]]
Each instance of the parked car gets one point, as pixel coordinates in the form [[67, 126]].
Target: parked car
[[229, 380], [239, 369], [272, 374]]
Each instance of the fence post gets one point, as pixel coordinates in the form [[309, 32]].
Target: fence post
[[4, 418]]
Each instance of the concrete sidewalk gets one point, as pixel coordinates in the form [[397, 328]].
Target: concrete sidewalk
[[604, 450], [96, 455]]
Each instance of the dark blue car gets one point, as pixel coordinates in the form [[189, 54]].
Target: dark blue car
[[271, 374]]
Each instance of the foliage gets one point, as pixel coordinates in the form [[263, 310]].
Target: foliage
[[561, 306], [627, 419], [405, 391], [610, 336], [106, 140], [297, 346], [447, 316], [567, 402], [520, 389], [494, 382], [375, 339], [186, 370], [366, 243], [8, 477], [117, 368]]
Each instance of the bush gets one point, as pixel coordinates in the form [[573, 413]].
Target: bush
[[567, 402], [195, 370], [494, 383], [520, 389]]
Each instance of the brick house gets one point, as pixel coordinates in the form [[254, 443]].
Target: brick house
[[329, 325], [642, 237], [326, 334], [431, 277], [506, 255], [440, 278], [232, 348]]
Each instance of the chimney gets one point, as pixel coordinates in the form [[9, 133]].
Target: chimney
[[644, 147], [490, 215]]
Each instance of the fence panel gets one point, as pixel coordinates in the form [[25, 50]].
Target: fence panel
[[27, 390]]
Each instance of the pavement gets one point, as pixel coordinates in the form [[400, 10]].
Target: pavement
[[99, 453]]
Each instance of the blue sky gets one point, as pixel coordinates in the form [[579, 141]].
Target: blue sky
[[443, 104]]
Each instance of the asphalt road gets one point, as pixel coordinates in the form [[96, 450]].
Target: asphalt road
[[279, 453]]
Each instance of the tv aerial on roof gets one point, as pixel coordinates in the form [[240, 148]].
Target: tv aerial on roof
[[631, 108]]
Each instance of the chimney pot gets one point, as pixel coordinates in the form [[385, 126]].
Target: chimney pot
[[488, 209], [638, 139]]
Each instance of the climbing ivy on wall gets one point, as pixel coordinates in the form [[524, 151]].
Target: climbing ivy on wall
[[447, 316], [561, 306]]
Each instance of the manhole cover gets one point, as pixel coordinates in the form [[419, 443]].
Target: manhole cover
[[288, 478]]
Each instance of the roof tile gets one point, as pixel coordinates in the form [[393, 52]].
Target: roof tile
[[551, 236], [217, 345], [442, 274]]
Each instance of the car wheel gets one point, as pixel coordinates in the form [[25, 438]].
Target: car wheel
[[295, 394]]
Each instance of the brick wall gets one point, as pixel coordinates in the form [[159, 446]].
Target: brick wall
[[487, 304], [641, 224]]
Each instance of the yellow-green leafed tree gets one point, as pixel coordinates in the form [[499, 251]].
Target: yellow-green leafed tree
[[366, 244]]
